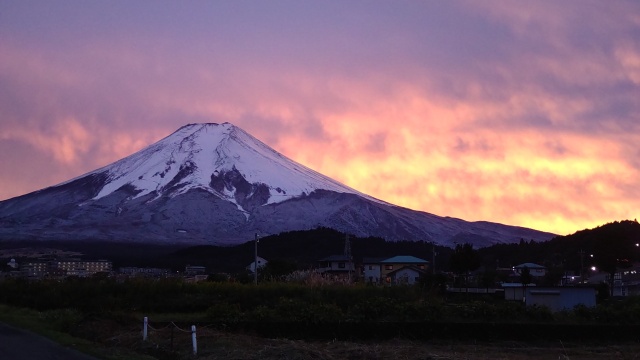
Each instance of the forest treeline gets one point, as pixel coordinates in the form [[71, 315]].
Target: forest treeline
[[607, 246], [612, 245]]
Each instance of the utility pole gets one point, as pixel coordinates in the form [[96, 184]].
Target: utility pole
[[255, 262], [433, 262], [581, 265], [347, 253]]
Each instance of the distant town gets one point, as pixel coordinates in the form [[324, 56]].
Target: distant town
[[527, 282]]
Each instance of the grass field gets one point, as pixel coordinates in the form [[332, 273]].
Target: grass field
[[122, 339]]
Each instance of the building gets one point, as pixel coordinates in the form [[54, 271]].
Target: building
[[514, 291], [145, 272], [77, 267], [535, 270], [261, 263], [371, 270], [407, 275], [337, 267], [38, 269], [192, 270], [34, 269], [560, 298], [402, 269], [626, 282]]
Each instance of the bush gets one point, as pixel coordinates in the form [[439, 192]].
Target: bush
[[63, 320], [224, 313]]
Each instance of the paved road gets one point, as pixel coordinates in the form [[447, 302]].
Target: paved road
[[18, 344]]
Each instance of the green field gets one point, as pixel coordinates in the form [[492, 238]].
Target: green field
[[285, 321]]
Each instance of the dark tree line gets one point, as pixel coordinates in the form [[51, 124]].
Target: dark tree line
[[612, 245]]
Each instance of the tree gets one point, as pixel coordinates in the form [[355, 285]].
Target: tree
[[525, 279], [611, 253], [553, 276], [525, 276], [276, 269], [464, 260], [488, 279]]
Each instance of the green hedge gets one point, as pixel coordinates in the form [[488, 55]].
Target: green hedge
[[280, 302]]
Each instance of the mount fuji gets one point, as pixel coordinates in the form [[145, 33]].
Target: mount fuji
[[217, 184]]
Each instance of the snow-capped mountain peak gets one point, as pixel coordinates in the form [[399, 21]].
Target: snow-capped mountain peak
[[219, 158]]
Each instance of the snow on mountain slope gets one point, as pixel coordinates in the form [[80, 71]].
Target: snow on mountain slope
[[200, 155]]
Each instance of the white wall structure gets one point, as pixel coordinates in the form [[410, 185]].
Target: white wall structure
[[261, 263]]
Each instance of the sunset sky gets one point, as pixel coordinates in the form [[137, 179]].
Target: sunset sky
[[519, 112]]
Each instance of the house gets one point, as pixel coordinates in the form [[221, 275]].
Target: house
[[191, 270], [13, 264], [626, 282], [402, 269], [560, 298], [406, 275], [534, 269], [371, 270], [338, 267], [261, 263]]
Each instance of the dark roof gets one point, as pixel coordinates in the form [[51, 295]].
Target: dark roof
[[404, 259], [372, 260], [335, 258], [530, 266]]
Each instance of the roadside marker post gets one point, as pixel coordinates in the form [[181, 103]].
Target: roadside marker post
[[193, 340], [144, 329]]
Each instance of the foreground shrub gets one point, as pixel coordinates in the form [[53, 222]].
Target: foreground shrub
[[63, 320]]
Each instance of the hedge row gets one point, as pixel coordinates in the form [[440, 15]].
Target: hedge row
[[230, 303]]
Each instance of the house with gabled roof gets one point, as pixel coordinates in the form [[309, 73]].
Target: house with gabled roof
[[534, 269], [402, 269]]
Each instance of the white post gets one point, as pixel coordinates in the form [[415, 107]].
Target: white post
[[144, 329], [193, 340]]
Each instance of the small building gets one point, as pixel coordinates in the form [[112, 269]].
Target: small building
[[560, 298], [13, 264], [412, 267], [191, 270], [337, 268], [371, 270], [145, 272], [406, 275], [515, 291], [335, 263], [261, 263], [626, 282], [534, 269]]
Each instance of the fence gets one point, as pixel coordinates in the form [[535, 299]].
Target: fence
[[172, 327]]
